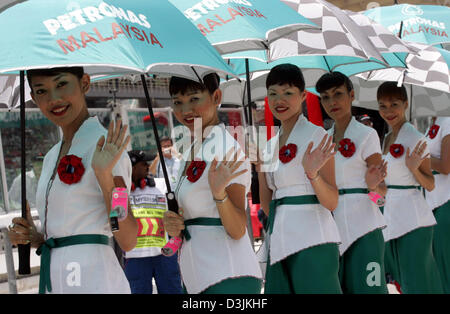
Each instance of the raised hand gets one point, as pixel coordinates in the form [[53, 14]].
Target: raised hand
[[108, 151], [414, 160], [314, 160], [220, 175], [375, 174]]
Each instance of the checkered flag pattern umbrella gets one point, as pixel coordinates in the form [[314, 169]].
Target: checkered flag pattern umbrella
[[424, 102], [339, 34], [380, 36], [429, 69], [426, 78]]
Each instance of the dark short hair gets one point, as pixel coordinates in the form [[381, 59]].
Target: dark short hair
[[210, 82], [165, 139], [77, 71], [286, 73], [332, 80], [391, 90]]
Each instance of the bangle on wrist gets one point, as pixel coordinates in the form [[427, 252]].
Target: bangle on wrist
[[222, 200], [312, 179]]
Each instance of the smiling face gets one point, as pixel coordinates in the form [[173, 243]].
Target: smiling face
[[285, 101], [337, 102], [61, 97], [196, 104], [392, 110]]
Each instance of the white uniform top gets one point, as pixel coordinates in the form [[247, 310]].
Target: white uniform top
[[298, 227], [150, 198], [356, 215], [76, 209], [441, 193], [404, 210], [211, 255]]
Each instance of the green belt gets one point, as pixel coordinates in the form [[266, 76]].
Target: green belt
[[403, 187], [353, 191], [45, 248], [200, 221], [288, 200]]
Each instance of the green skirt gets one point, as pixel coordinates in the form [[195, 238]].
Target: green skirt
[[409, 260], [241, 285], [313, 270], [441, 244], [361, 268]]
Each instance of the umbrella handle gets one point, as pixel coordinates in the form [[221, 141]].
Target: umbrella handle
[[24, 249], [24, 259], [175, 243]]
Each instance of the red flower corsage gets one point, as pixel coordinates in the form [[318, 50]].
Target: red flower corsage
[[434, 129], [195, 170], [287, 153], [347, 147], [396, 150], [70, 169]]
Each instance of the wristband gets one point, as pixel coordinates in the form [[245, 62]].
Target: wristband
[[119, 203], [221, 201], [376, 198], [312, 179]]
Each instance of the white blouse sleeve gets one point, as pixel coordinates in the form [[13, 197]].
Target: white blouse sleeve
[[371, 145]]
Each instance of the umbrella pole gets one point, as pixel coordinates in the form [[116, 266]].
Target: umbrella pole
[[24, 249], [171, 201], [249, 96]]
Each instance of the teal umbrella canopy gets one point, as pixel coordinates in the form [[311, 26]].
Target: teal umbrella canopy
[[426, 24], [106, 37], [241, 25]]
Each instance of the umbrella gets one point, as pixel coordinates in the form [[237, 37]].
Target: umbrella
[[105, 37], [242, 25], [234, 26], [427, 80], [427, 24], [9, 91]]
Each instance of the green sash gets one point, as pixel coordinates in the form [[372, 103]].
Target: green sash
[[200, 221], [45, 249], [288, 200], [403, 187], [353, 191]]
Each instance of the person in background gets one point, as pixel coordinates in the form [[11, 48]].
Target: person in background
[[145, 262], [14, 193], [359, 171], [170, 159], [409, 258], [438, 136], [365, 119], [298, 192]]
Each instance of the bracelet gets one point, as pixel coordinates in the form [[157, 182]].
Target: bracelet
[[312, 179], [221, 201]]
